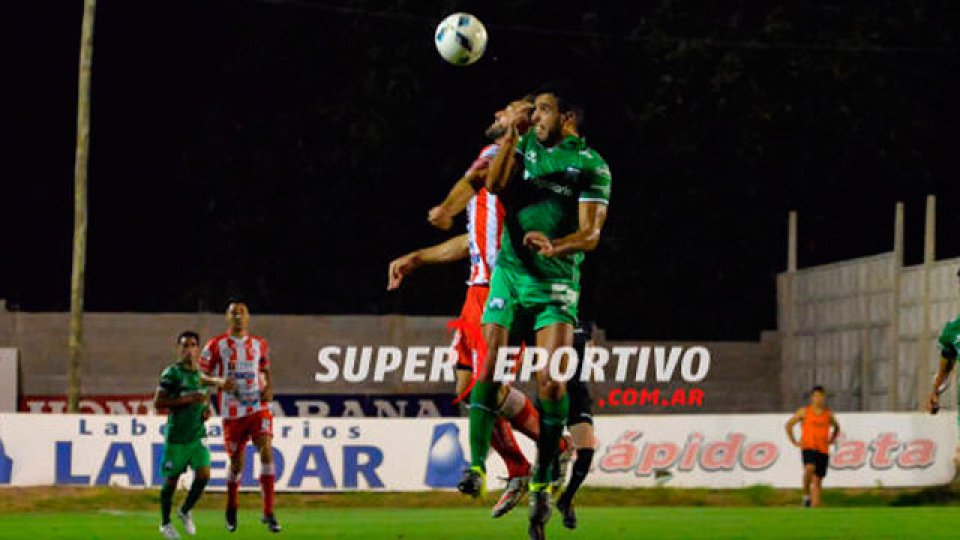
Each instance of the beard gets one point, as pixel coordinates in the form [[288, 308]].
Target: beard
[[495, 131]]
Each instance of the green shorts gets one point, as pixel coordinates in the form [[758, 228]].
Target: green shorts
[[177, 457], [522, 303]]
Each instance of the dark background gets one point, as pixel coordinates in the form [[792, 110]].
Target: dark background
[[286, 151]]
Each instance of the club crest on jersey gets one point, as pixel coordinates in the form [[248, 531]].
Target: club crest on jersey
[[531, 156], [496, 303]]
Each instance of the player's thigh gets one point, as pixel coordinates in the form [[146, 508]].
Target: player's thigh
[[501, 302], [264, 444], [463, 380], [176, 457], [200, 458], [236, 433]]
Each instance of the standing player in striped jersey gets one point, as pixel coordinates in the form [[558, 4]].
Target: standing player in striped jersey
[[481, 243], [245, 359]]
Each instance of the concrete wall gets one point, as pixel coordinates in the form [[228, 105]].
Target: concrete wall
[[126, 352]]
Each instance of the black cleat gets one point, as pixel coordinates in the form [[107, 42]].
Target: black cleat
[[566, 510], [539, 514], [473, 483], [271, 522], [231, 519]]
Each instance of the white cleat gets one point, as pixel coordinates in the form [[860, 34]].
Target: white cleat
[[187, 519], [169, 532]]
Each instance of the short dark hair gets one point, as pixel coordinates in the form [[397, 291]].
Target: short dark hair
[[568, 100], [818, 388], [188, 334]]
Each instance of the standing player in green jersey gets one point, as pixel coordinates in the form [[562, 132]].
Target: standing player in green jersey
[[949, 340], [181, 392], [555, 190]]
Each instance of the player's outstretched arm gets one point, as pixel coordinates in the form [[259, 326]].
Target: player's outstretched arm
[[454, 249], [794, 420], [441, 216], [222, 383], [592, 217]]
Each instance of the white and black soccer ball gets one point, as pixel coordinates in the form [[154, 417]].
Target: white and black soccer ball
[[461, 39]]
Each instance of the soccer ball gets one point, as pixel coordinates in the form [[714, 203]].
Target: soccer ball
[[461, 39]]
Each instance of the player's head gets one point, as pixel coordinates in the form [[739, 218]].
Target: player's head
[[554, 112], [818, 396], [238, 317], [499, 126], [188, 346]]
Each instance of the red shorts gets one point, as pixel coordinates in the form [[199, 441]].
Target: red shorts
[[238, 431], [466, 344]]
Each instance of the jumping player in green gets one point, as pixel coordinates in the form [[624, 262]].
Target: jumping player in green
[[182, 393], [555, 190], [948, 341]]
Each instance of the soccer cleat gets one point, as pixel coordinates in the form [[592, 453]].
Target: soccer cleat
[[169, 532], [515, 490], [271, 523], [539, 514], [806, 502], [231, 519], [473, 483], [566, 510], [560, 467], [186, 518]]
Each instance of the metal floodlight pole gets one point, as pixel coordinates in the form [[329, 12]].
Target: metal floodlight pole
[[80, 205]]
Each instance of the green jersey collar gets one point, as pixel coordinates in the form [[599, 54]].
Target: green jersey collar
[[572, 142]]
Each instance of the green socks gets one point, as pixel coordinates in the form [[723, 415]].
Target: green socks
[[553, 419], [196, 490], [483, 405], [166, 501]]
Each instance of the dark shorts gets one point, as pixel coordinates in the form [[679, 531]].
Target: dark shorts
[[581, 404], [819, 460]]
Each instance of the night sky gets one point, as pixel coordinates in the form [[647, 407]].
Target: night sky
[[285, 152]]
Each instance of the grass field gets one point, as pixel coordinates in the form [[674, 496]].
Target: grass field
[[109, 514], [474, 524]]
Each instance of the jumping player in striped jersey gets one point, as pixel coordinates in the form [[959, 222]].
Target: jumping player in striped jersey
[[481, 244], [245, 359]]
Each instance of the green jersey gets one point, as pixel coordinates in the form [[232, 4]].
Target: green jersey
[[949, 338], [185, 424], [555, 180]]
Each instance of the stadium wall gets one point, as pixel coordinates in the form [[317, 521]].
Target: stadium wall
[[866, 328], [126, 351]]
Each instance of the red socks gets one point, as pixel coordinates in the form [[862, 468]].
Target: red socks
[[266, 490], [232, 488], [506, 445]]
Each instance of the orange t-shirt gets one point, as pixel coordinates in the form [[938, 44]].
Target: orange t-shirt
[[815, 430]]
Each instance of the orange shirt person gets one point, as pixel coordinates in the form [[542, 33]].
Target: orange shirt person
[[815, 439]]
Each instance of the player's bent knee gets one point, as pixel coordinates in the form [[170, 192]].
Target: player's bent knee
[[203, 473]]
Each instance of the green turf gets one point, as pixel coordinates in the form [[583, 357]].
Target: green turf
[[474, 524]]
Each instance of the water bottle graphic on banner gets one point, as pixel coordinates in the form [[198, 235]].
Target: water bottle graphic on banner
[[445, 460]]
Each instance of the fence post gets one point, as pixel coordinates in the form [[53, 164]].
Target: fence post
[[895, 313], [929, 256]]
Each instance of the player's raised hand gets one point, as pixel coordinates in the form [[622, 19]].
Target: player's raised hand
[[439, 217], [399, 269], [229, 385], [538, 242]]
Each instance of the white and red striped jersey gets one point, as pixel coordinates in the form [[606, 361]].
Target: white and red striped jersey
[[240, 359], [484, 225]]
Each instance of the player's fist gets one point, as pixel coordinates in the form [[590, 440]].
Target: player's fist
[[439, 217], [399, 268], [538, 242], [229, 385], [206, 414]]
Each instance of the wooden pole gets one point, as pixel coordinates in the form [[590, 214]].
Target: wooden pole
[[929, 256], [80, 205], [894, 385]]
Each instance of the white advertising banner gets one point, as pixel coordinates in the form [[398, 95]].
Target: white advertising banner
[[342, 454]]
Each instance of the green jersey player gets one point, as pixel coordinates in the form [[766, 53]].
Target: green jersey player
[[181, 392], [948, 341], [555, 190]]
